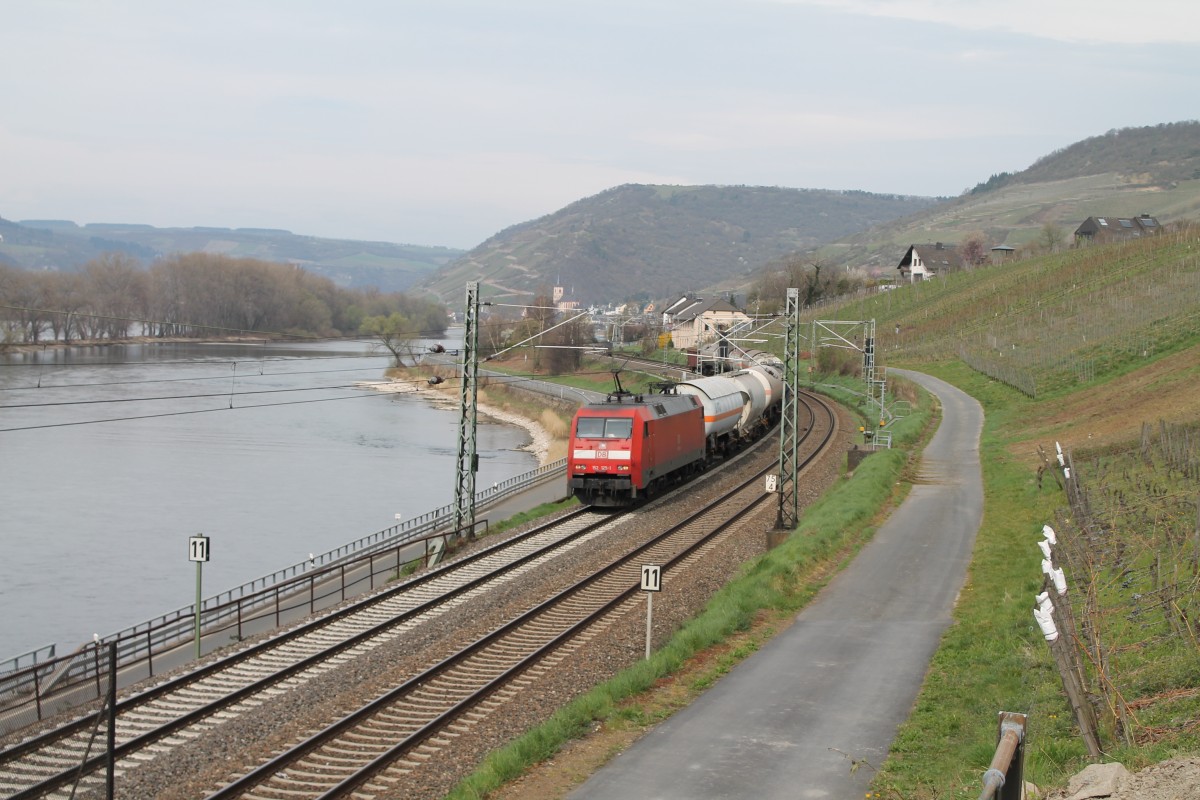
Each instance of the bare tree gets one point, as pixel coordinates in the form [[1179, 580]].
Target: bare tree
[[117, 293], [973, 249], [567, 343], [1051, 237]]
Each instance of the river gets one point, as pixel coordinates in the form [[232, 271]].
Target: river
[[270, 450]]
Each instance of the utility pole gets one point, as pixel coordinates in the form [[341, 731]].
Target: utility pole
[[789, 500], [468, 458]]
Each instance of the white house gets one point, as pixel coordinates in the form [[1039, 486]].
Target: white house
[[923, 261]]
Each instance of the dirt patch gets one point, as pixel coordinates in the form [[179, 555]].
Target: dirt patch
[[1113, 413]]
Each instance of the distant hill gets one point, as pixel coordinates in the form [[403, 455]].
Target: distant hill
[[1159, 154], [647, 242], [62, 244], [1153, 170]]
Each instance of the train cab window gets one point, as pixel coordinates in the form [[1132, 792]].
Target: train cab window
[[618, 428], [604, 428], [590, 428]]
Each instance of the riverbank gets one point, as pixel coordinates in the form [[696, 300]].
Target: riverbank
[[543, 444]]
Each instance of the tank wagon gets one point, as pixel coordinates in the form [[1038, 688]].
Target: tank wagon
[[631, 447]]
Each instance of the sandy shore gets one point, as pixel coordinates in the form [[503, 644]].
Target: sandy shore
[[540, 440]]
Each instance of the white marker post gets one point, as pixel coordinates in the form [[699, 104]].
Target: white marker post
[[651, 583], [198, 552]]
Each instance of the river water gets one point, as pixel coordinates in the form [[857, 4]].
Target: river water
[[95, 517]]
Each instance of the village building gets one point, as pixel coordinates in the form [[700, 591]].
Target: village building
[[1097, 230], [694, 321], [923, 261]]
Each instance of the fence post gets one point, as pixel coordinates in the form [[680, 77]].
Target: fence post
[[111, 759], [1006, 774], [37, 691], [1059, 648]]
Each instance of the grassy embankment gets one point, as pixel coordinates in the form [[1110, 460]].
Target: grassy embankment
[[1105, 339]]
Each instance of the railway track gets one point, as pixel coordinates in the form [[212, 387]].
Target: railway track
[[157, 721], [370, 751], [154, 720]]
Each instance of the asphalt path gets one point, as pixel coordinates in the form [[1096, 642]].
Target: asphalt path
[[813, 713]]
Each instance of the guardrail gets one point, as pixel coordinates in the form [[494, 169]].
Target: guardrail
[[38, 688], [1005, 777]]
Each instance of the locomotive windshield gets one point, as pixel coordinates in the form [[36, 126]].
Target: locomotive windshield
[[604, 428]]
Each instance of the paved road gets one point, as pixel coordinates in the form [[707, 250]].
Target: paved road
[[787, 722]]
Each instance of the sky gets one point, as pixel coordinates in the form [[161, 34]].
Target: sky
[[444, 122]]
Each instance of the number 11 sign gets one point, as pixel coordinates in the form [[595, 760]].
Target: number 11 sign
[[198, 552], [651, 583], [198, 548]]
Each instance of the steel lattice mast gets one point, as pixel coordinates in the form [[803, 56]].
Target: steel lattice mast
[[468, 459], [789, 501]]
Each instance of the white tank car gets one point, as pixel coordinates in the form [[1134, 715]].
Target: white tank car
[[765, 386], [723, 401], [736, 401]]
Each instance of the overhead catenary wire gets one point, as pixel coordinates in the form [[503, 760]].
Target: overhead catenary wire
[[106, 400], [534, 336], [184, 413], [225, 377]]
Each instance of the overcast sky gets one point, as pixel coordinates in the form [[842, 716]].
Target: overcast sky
[[443, 122]]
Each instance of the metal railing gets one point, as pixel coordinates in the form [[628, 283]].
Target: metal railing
[[34, 688], [1005, 778], [44, 653]]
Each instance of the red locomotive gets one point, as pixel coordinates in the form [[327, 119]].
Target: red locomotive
[[632, 446]]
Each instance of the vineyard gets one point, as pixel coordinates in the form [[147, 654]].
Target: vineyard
[[1131, 537], [1050, 325]]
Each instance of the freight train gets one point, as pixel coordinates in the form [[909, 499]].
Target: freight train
[[632, 446]]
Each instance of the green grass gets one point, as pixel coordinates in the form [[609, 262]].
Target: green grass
[[992, 658], [536, 513]]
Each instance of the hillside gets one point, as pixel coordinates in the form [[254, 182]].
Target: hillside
[[1153, 170], [648, 242], [1096, 349], [1104, 338], [61, 244]]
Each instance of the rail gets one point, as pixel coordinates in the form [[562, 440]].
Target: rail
[[37, 684], [1005, 778]]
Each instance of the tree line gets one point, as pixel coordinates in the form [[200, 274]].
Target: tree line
[[193, 295]]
